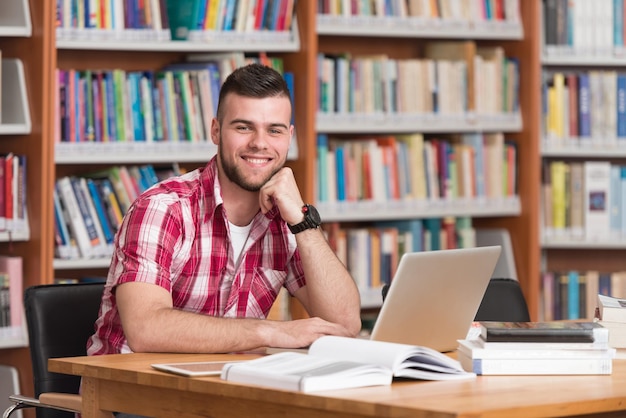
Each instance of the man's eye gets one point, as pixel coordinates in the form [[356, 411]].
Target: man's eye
[[243, 128]]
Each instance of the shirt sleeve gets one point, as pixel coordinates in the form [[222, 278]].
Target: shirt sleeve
[[147, 241]]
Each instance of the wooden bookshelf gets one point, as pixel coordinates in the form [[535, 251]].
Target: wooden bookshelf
[[32, 49], [399, 38], [563, 251], [40, 54]]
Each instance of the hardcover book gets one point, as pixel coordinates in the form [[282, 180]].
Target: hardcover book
[[339, 362], [537, 366], [611, 308], [537, 332]]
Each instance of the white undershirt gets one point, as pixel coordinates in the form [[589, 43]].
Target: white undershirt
[[238, 237]]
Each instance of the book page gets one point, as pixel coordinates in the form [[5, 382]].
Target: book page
[[390, 355]]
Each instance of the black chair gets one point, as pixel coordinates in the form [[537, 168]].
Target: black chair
[[60, 319], [503, 301]]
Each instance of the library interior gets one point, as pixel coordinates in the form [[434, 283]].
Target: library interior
[[419, 126]]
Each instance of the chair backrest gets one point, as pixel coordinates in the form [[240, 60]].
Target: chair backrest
[[60, 320], [503, 301]]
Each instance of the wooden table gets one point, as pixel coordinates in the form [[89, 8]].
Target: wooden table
[[126, 382]]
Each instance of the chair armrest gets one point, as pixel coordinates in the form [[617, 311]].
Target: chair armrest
[[62, 401], [65, 401]]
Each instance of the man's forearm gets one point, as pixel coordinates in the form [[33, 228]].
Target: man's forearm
[[331, 291]]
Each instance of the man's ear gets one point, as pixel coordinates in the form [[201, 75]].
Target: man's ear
[[215, 131]]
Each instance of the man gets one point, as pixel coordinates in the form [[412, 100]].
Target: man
[[200, 258]]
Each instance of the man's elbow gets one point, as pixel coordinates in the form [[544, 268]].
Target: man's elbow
[[139, 344], [354, 325]]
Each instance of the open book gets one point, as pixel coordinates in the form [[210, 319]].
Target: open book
[[341, 362]]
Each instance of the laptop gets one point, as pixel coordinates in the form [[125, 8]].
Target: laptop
[[434, 296]]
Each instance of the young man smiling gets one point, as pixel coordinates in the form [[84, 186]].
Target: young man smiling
[[200, 258]]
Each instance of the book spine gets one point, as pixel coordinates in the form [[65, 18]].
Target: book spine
[[621, 105], [584, 103], [83, 207], [573, 295], [540, 366]]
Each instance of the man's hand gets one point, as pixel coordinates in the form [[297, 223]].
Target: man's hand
[[281, 190], [301, 332]]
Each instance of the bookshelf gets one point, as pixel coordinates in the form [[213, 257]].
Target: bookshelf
[[409, 37], [568, 247], [27, 45]]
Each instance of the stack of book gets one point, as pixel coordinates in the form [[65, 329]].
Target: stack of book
[[538, 348], [611, 314]]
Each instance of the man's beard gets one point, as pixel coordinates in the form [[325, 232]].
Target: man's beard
[[234, 174]]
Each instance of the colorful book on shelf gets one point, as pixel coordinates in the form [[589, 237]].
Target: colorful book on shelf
[[104, 248], [340, 362], [597, 184], [12, 266], [543, 332], [75, 219], [100, 210], [111, 203], [88, 220]]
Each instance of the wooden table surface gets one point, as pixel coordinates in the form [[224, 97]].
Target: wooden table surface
[[126, 382]]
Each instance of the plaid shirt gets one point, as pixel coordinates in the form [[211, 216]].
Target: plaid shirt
[[176, 236]]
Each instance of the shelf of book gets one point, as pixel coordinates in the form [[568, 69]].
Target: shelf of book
[[214, 42], [139, 152], [416, 27], [582, 148], [583, 139], [348, 37], [569, 58], [596, 244], [83, 263], [22, 234], [426, 123], [378, 211], [133, 152], [15, 110]]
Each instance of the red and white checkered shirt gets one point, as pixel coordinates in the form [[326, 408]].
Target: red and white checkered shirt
[[176, 236]]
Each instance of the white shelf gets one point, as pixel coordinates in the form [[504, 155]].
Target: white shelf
[[14, 110], [578, 151], [140, 152], [567, 56], [82, 263], [567, 242], [412, 27], [15, 18], [424, 123], [20, 235], [223, 41], [13, 337], [375, 211], [132, 152]]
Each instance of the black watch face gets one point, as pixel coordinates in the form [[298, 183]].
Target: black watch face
[[314, 215]]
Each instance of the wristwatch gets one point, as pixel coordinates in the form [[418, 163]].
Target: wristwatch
[[311, 220]]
